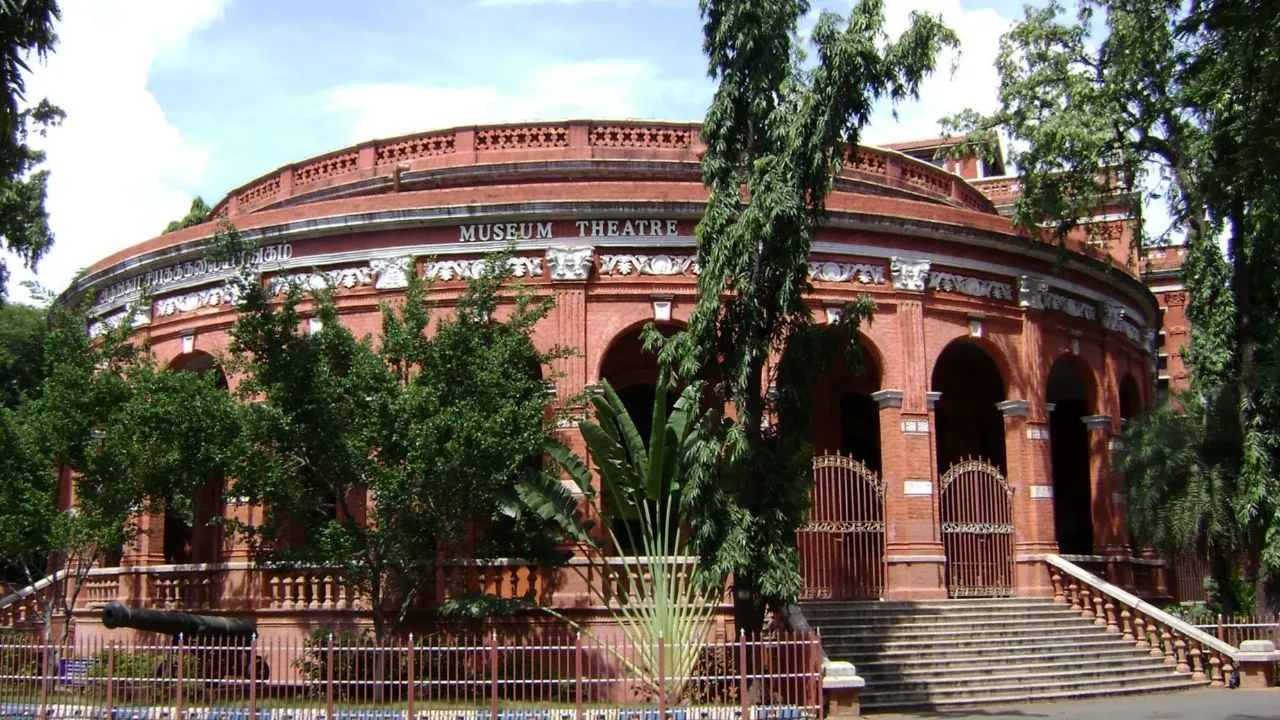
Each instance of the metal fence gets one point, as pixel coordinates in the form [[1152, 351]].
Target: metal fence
[[565, 677], [1235, 629]]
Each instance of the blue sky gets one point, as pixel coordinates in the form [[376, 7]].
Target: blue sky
[[167, 99]]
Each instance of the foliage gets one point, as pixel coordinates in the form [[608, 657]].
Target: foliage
[[1140, 101], [776, 134], [379, 460], [197, 214], [26, 29], [22, 329], [131, 436], [655, 598]]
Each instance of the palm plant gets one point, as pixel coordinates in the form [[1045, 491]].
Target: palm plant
[[665, 606]]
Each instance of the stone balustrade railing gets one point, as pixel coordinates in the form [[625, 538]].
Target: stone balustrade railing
[[384, 160], [22, 608], [309, 590], [1184, 647]]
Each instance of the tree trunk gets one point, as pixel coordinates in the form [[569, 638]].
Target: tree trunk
[[1220, 571]]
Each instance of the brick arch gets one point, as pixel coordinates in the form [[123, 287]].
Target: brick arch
[[1087, 377], [200, 362], [630, 363], [994, 352], [968, 376], [1130, 396]]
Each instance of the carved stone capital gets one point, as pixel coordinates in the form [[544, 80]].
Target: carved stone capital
[[1014, 408], [887, 398], [909, 274], [569, 263], [932, 398], [1097, 422], [391, 273]]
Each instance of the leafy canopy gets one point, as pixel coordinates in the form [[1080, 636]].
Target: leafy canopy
[[377, 459], [777, 132]]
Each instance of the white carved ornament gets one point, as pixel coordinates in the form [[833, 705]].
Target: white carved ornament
[[209, 297], [648, 264], [971, 286], [847, 272], [910, 275], [569, 263], [470, 269], [1034, 293], [317, 280], [391, 273]]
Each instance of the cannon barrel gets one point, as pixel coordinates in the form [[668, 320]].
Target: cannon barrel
[[116, 615]]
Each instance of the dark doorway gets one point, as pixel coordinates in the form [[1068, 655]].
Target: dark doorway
[[969, 425], [1069, 442], [843, 417]]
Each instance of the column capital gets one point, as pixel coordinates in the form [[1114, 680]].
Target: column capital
[[931, 399], [887, 398], [1097, 422], [1014, 408]]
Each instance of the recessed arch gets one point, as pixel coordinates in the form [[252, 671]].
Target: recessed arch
[[1069, 395], [843, 416], [1130, 397], [969, 424], [201, 540]]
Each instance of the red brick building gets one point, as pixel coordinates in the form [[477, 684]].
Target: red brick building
[[986, 345]]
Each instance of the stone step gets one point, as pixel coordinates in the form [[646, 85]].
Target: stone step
[[904, 619], [925, 639], [1025, 694], [835, 630], [976, 681], [903, 676], [925, 664], [930, 606], [872, 651]]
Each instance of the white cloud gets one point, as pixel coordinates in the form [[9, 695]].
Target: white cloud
[[605, 88], [972, 85], [119, 170]]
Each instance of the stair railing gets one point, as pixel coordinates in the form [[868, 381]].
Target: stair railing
[[1184, 647]]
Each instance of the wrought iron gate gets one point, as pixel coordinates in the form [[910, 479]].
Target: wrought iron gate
[[842, 546], [976, 509]]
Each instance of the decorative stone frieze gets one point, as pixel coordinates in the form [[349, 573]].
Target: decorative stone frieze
[[863, 273], [1034, 293], [648, 265], [909, 274], [104, 325], [187, 302], [391, 273], [971, 286], [469, 269], [569, 263], [344, 277]]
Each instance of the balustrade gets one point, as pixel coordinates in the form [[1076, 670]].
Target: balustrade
[[1185, 648]]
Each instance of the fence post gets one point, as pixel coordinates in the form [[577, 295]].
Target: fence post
[[662, 677], [577, 670], [111, 679], [742, 673], [178, 688], [252, 678], [411, 678], [328, 681], [493, 675], [44, 678], [1220, 629]]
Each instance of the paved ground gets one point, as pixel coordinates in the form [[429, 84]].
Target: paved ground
[[1191, 705]]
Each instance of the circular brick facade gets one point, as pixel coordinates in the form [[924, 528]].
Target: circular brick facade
[[984, 343]]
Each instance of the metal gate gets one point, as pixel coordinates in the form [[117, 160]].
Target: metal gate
[[842, 546], [977, 530]]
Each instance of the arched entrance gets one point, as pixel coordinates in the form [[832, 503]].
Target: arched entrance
[[1069, 397], [842, 545], [197, 539], [1130, 398], [633, 373], [975, 507]]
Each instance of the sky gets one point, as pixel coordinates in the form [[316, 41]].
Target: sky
[[170, 99]]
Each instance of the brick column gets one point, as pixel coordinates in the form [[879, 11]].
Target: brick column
[[1028, 472], [913, 551], [1106, 540]]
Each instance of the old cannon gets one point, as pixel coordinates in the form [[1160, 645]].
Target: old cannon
[[219, 647]]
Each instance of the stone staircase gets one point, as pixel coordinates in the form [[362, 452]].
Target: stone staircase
[[967, 652]]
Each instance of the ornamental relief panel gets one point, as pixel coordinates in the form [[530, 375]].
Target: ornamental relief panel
[[1034, 293], [648, 265], [187, 302], [469, 269], [317, 280], [971, 286], [863, 273], [909, 274]]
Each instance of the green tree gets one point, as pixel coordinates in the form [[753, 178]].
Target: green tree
[[1133, 102], [22, 329], [197, 214], [655, 597], [776, 134], [376, 459], [129, 436], [26, 29]]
